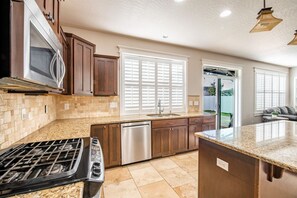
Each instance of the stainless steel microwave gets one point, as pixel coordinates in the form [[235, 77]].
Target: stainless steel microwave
[[31, 50]]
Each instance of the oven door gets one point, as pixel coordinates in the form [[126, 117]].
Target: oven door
[[42, 53]]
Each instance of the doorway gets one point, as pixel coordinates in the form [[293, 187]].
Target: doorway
[[219, 87]]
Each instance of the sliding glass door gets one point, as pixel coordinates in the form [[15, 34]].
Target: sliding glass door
[[226, 102], [219, 97]]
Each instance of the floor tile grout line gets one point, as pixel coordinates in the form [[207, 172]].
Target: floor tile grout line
[[159, 173], [167, 181]]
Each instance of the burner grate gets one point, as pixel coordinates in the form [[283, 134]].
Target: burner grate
[[39, 160]]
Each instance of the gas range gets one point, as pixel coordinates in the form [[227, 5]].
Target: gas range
[[40, 165]]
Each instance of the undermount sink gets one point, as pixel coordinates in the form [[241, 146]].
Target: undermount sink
[[163, 115]]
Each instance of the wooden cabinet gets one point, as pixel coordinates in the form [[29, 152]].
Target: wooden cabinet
[[169, 137], [51, 11], [80, 66], [193, 140], [179, 139], [238, 177], [161, 142], [110, 140], [105, 75], [199, 124], [65, 46]]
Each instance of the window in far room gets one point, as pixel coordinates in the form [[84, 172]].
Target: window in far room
[[146, 80], [270, 89]]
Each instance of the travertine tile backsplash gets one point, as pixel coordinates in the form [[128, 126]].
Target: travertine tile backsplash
[[14, 126], [87, 106]]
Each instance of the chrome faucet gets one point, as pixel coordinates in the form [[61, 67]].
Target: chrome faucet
[[160, 107]]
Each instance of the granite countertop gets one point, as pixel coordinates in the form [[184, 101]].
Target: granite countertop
[[272, 142], [74, 128]]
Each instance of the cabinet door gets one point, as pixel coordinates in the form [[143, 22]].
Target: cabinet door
[[101, 132], [179, 139], [193, 140], [51, 11], [156, 143], [114, 139], [160, 142], [83, 68], [105, 76]]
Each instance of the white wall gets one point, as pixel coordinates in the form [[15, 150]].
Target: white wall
[[293, 75], [106, 43]]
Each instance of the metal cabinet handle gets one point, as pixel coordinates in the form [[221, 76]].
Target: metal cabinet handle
[[104, 127], [49, 17]]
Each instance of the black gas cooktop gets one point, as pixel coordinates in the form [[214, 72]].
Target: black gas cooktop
[[39, 165]]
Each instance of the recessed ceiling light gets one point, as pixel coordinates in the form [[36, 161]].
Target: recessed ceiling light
[[178, 0], [165, 36], [225, 13]]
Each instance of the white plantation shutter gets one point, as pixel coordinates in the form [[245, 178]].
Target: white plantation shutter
[[131, 85], [270, 89], [146, 80], [148, 85], [177, 79]]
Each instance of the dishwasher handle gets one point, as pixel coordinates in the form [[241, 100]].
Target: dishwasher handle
[[136, 126]]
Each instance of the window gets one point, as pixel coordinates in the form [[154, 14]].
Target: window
[[270, 89], [146, 80]]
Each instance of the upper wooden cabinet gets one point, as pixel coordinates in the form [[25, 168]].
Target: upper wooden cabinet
[[51, 11], [105, 75], [80, 66]]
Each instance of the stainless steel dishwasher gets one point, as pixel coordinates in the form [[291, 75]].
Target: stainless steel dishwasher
[[136, 142]]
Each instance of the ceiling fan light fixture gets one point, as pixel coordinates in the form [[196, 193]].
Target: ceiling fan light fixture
[[294, 41], [266, 21]]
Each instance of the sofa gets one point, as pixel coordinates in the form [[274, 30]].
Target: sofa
[[286, 112]]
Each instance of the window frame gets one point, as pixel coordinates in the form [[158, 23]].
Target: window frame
[[156, 59], [279, 92]]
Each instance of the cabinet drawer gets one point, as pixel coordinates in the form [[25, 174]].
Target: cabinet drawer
[[169, 123], [197, 120], [208, 119], [195, 128]]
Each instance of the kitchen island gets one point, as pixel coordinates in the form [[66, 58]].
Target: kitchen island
[[251, 161]]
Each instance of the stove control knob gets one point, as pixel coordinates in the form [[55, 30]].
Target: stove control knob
[[96, 169], [95, 141]]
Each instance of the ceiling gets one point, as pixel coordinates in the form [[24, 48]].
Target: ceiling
[[193, 23]]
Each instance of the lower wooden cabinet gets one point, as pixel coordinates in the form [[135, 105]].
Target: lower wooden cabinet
[[199, 124], [179, 139], [193, 140], [160, 142], [110, 140], [168, 140]]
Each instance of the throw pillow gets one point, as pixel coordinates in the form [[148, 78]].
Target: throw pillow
[[291, 110], [284, 110]]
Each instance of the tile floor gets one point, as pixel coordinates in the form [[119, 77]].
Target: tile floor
[[170, 177]]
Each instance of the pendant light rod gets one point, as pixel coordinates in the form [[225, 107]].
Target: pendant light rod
[[264, 3]]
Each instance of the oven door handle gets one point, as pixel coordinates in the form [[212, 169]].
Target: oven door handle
[[60, 68]]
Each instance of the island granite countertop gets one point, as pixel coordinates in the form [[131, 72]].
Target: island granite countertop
[[272, 142], [81, 127]]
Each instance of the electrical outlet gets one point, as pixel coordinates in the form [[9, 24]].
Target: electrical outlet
[[113, 105], [196, 103], [45, 109], [222, 164], [191, 103], [24, 114], [66, 106]]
